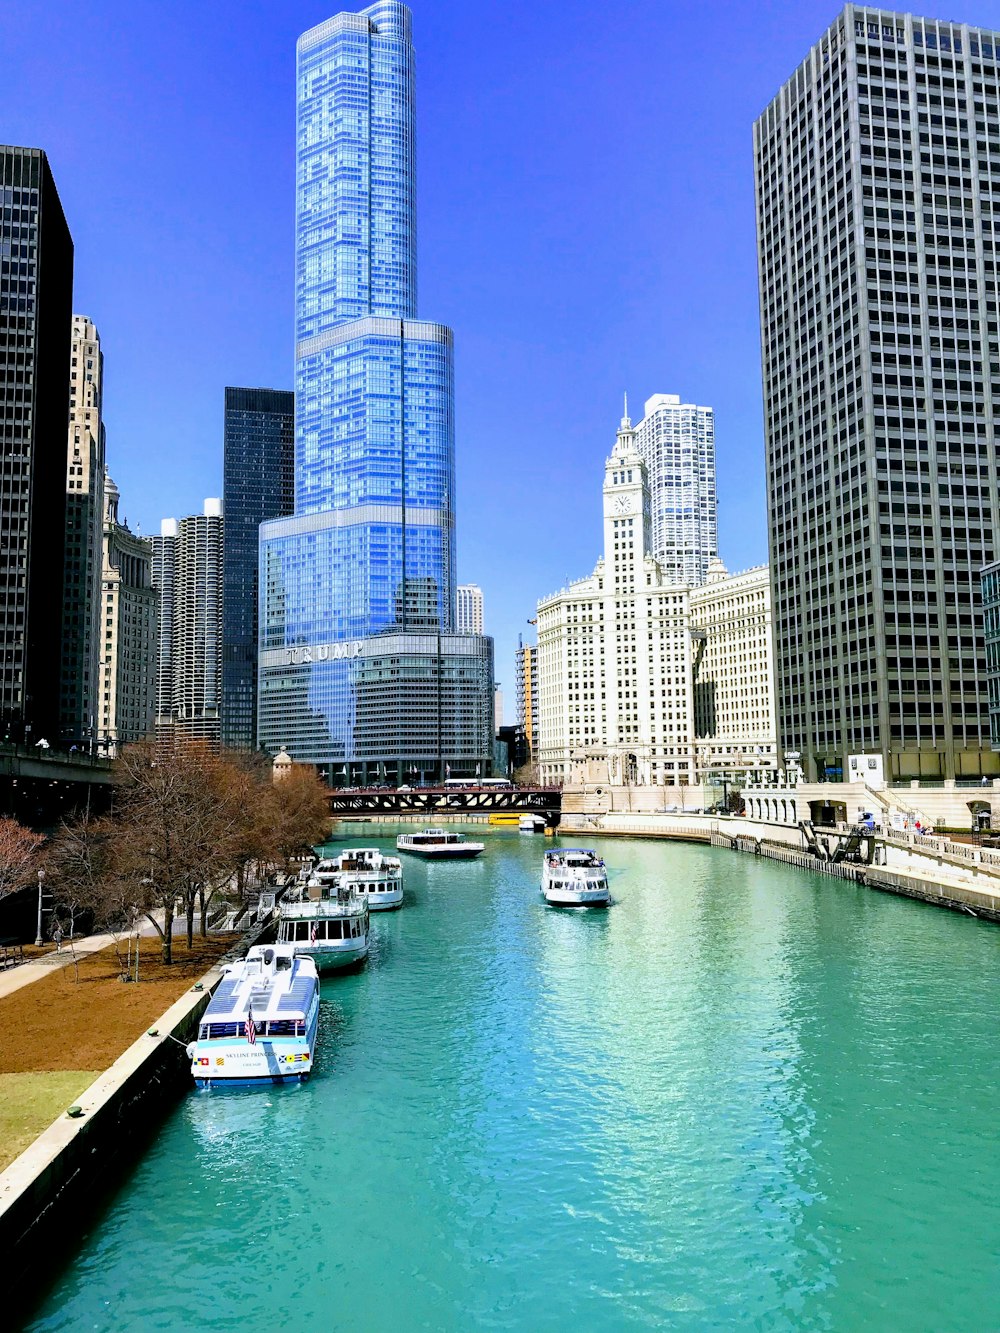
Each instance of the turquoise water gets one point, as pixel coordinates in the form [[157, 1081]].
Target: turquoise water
[[744, 1097]]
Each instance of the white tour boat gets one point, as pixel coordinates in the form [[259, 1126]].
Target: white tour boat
[[531, 824], [260, 1025], [575, 877], [439, 845], [367, 871], [327, 922]]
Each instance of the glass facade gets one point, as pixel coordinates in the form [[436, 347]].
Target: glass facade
[[259, 479], [677, 444], [370, 548]]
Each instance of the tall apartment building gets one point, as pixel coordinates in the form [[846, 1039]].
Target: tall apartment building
[[677, 444], [258, 484], [36, 297], [85, 522], [876, 213], [126, 698], [732, 641], [614, 653], [369, 554], [526, 687], [187, 573], [469, 609]]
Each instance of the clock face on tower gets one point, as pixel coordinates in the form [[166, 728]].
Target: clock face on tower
[[622, 504]]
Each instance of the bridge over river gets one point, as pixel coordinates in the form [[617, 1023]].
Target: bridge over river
[[364, 801]]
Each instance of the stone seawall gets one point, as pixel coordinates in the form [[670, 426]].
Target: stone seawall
[[50, 1192], [53, 1187], [974, 901], [932, 875]]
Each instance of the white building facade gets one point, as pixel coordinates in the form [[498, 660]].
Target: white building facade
[[734, 713], [614, 653], [81, 644], [677, 444], [469, 609], [127, 679]]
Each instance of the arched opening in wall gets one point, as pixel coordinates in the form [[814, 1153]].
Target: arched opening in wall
[[630, 769]]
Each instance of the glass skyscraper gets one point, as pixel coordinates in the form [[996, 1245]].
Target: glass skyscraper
[[677, 444], [258, 484], [370, 549]]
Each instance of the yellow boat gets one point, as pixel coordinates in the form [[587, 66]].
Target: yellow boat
[[504, 817]]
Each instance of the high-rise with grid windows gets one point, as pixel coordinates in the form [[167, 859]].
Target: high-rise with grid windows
[[361, 671], [187, 576], [258, 484], [677, 444], [469, 617], [36, 295], [878, 217]]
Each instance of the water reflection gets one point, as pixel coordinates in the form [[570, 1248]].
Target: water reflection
[[715, 1105]]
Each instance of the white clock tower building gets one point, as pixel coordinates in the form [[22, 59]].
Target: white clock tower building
[[614, 654]]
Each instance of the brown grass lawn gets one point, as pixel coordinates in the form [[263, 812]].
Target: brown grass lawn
[[60, 1024], [63, 1030]]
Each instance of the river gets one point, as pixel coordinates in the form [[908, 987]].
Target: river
[[745, 1096]]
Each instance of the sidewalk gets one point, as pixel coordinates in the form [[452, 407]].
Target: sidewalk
[[41, 965], [32, 969]]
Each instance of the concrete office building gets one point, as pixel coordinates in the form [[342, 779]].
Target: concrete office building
[[187, 573], [85, 521], [732, 642], [874, 170], [258, 484], [469, 609], [677, 444], [526, 688], [126, 698], [614, 652], [36, 298]]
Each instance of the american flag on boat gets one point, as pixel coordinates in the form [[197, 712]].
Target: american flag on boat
[[251, 1027], [312, 933]]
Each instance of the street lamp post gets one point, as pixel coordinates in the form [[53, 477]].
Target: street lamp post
[[38, 932]]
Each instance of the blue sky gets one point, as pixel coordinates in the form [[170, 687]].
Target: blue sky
[[586, 227]]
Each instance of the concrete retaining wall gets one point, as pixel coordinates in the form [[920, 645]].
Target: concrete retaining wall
[[690, 828], [980, 901], [48, 1194]]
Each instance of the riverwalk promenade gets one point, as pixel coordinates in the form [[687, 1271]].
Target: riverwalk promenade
[[936, 870], [88, 1065]]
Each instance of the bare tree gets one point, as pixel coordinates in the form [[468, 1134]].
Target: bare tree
[[86, 881], [19, 856], [163, 835], [300, 818]]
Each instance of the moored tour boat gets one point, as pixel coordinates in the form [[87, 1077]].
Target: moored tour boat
[[531, 824], [368, 872], [575, 877], [438, 844], [327, 922], [260, 1025]]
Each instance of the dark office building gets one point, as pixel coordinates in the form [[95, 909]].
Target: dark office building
[[878, 225], [259, 479], [36, 296]]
